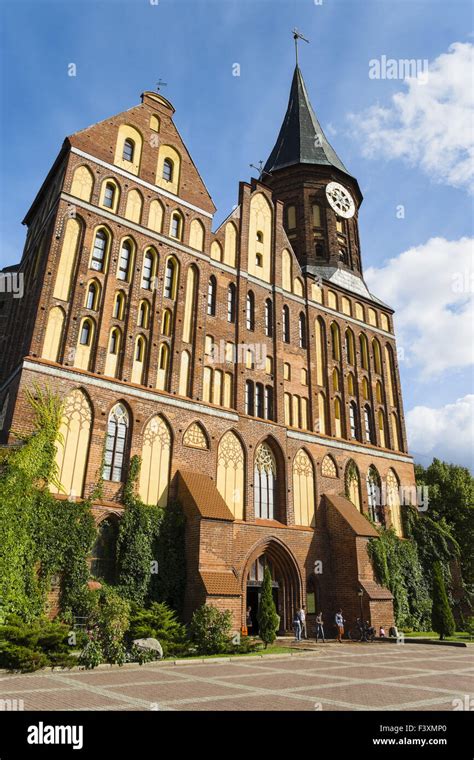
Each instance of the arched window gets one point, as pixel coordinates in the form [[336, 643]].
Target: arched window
[[85, 333], [350, 352], [114, 341], [211, 297], [149, 269], [286, 324], [350, 384], [195, 437], [381, 426], [109, 195], [368, 424], [103, 552], [320, 331], [113, 352], [230, 473], [335, 380], [337, 417], [163, 367], [374, 496], [231, 303], [364, 353], [134, 205], [259, 403], [377, 356], [116, 444], [156, 457], [268, 318], [353, 420], [143, 314], [119, 303], [92, 298], [328, 467], [166, 323], [168, 167], [287, 270], [196, 235], [72, 445], [378, 391], [176, 226], [249, 398], [171, 278], [336, 342], [138, 365], [265, 482], [99, 251], [54, 334], [390, 369], [303, 489], [322, 423], [125, 260], [302, 331], [268, 403], [250, 311], [184, 374], [395, 433], [393, 502], [128, 150], [82, 183], [365, 389], [352, 483]]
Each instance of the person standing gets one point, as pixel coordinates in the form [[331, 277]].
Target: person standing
[[297, 625], [340, 625], [302, 614], [320, 627], [248, 621]]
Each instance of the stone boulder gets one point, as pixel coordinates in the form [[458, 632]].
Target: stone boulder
[[150, 645]]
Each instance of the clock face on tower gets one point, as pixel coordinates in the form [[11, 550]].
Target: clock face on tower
[[340, 200]]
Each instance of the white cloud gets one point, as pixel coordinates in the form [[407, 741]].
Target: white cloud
[[446, 432], [431, 124], [430, 287]]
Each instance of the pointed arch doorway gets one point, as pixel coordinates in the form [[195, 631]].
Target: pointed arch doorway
[[286, 583]]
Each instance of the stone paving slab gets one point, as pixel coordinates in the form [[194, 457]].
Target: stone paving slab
[[349, 677]]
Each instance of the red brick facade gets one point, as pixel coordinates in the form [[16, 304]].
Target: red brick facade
[[220, 549]]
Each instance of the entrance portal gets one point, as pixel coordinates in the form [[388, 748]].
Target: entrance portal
[[254, 590], [286, 583]]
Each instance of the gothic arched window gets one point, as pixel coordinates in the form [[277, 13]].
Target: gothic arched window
[[268, 318], [286, 324], [103, 553], [374, 496], [265, 482], [231, 302], [250, 311], [116, 444], [211, 297]]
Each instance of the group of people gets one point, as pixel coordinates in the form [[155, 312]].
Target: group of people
[[299, 625]]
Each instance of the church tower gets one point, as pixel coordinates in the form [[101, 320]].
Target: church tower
[[321, 197]]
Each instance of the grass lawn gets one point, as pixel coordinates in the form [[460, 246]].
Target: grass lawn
[[276, 649], [457, 636]]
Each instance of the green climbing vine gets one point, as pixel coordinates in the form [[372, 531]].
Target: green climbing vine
[[150, 548], [406, 566], [39, 534]]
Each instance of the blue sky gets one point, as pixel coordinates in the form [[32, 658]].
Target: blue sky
[[122, 47]]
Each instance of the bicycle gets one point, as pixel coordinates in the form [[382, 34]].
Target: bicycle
[[361, 632]]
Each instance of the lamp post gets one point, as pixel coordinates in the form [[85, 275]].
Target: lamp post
[[360, 594]]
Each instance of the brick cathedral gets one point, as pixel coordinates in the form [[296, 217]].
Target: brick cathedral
[[250, 368]]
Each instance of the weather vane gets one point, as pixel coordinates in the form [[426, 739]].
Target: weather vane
[[159, 84], [298, 36]]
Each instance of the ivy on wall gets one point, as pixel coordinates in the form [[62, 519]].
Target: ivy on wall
[[40, 535], [151, 563], [405, 566]]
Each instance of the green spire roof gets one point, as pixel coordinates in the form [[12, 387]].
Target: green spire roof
[[301, 139]]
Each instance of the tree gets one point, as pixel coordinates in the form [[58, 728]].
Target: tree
[[441, 616], [268, 620], [451, 496]]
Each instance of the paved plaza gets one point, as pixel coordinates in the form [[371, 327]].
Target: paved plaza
[[336, 677]]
